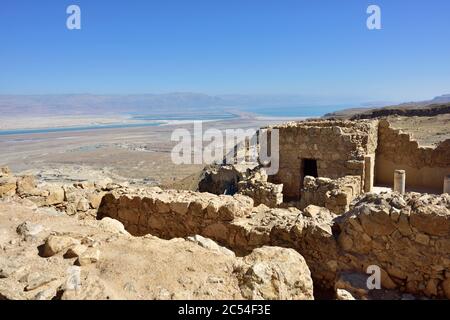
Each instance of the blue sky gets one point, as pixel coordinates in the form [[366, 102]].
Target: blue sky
[[227, 46]]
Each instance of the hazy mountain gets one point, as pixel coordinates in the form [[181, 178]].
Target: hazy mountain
[[176, 103], [72, 104], [436, 105], [105, 104], [441, 99]]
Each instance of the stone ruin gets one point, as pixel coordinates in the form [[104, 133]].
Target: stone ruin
[[324, 211], [330, 162]]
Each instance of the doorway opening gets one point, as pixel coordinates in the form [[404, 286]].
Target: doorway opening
[[309, 168]]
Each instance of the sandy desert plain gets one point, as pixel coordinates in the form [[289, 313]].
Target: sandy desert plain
[[137, 154]]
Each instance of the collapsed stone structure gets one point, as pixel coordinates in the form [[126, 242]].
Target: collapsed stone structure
[[335, 195], [348, 158], [330, 149], [335, 165], [246, 179], [81, 199]]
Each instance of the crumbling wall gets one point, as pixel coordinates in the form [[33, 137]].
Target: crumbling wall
[[169, 214], [81, 199], [262, 192], [231, 221], [223, 179], [340, 148], [407, 237], [425, 167], [249, 180], [335, 195]]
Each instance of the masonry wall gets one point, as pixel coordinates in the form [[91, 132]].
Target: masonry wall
[[425, 167], [340, 148], [335, 195], [171, 214], [408, 237]]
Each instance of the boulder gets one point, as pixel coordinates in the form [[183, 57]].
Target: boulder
[[83, 205], [4, 172], [37, 280], [56, 244], [431, 219], [89, 256], [113, 226], [95, 199], [342, 294], [275, 273], [75, 251], [312, 211], [91, 288], [8, 186], [56, 195], [26, 185]]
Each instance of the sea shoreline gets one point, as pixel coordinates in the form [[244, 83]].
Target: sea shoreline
[[36, 125]]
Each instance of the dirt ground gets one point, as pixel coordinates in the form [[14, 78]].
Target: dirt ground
[[136, 155], [129, 267]]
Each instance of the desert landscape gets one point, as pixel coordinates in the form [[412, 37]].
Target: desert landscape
[[82, 198], [225, 158]]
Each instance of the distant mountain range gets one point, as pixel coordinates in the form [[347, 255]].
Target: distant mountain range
[[73, 104], [437, 105], [104, 104], [183, 102]]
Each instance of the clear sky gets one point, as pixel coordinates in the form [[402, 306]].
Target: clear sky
[[227, 46]]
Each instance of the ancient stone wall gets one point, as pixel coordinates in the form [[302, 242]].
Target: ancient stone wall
[[223, 179], [425, 167], [81, 199], [231, 221], [249, 180], [169, 214], [339, 147], [407, 236], [335, 195], [262, 192]]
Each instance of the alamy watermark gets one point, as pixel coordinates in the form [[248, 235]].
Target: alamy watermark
[[229, 146], [73, 21], [374, 20], [374, 280]]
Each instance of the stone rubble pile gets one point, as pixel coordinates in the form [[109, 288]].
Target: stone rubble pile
[[251, 181], [81, 198], [333, 194]]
